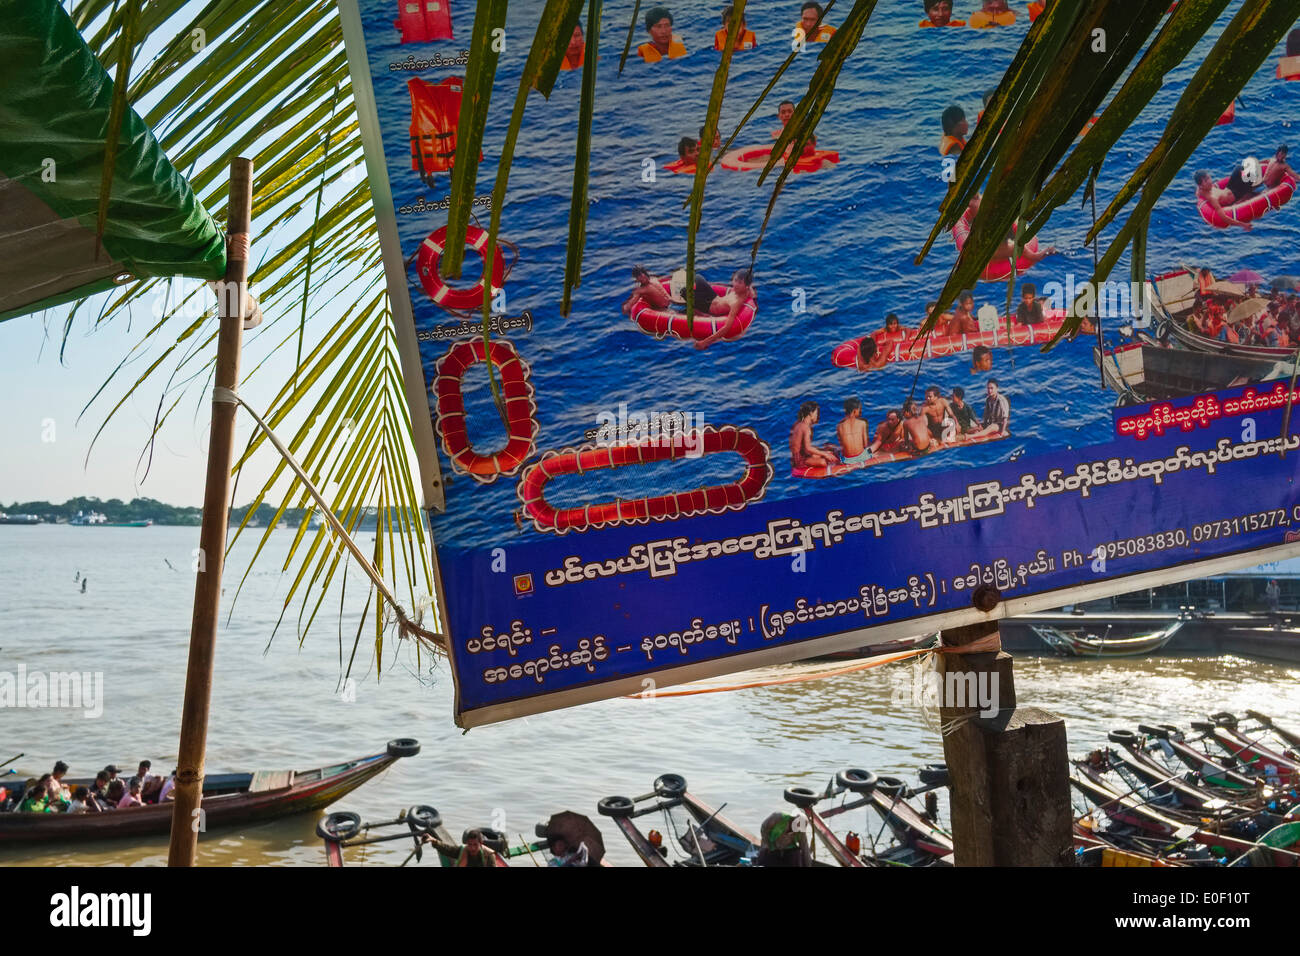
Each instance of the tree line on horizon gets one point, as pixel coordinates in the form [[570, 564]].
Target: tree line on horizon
[[142, 509]]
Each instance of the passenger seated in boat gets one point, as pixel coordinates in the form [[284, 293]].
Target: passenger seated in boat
[[963, 321], [83, 801], [729, 304], [473, 853], [1216, 198], [955, 129], [783, 844], [938, 13], [1270, 336], [745, 39], [663, 43], [981, 359], [809, 28], [869, 355], [100, 787], [853, 433], [997, 411], [803, 454], [917, 428], [132, 797], [57, 789], [149, 782], [115, 793], [784, 113], [1204, 278], [939, 415], [651, 290], [1278, 169], [967, 423], [894, 331], [890, 436], [993, 13], [168, 791], [941, 323], [54, 795], [564, 855], [1030, 310], [34, 799]]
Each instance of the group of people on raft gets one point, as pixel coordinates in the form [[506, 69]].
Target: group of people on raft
[[651, 290], [919, 428], [49, 794], [1276, 324], [1247, 179]]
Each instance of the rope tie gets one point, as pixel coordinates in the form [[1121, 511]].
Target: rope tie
[[239, 246], [406, 627]]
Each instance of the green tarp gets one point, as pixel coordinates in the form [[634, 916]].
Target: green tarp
[[55, 99]]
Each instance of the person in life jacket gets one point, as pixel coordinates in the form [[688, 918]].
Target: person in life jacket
[[576, 53], [1037, 9], [955, 129], [745, 38], [782, 836], [938, 13], [994, 13], [809, 28], [473, 853], [663, 44]]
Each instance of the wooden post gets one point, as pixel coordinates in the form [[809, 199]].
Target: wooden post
[[1009, 773], [187, 814]]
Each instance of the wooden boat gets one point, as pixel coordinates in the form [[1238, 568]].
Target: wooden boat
[[1289, 737], [229, 799], [921, 841], [708, 839], [1210, 770], [1253, 752], [1175, 299], [1076, 642], [1147, 371]]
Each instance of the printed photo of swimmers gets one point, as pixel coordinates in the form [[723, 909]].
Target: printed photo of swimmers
[[938, 13], [810, 28], [955, 130], [663, 44]]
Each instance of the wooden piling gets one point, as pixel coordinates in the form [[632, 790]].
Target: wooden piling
[[1009, 772], [187, 812]]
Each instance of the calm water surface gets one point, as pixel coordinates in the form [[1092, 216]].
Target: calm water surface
[[276, 706]]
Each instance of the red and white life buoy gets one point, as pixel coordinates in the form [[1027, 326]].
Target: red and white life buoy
[[755, 157], [712, 500], [520, 409], [910, 348], [998, 269], [1250, 209], [449, 298], [664, 322]]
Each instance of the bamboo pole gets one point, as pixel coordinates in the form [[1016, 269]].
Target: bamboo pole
[[187, 819]]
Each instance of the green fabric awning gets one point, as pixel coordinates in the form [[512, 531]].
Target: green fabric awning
[[55, 100]]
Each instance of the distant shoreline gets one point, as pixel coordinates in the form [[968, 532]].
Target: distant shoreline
[[117, 513]]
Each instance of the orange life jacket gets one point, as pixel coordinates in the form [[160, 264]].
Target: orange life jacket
[[951, 144], [950, 23], [435, 113], [651, 54], [747, 40]]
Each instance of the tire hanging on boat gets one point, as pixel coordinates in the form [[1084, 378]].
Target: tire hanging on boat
[[716, 499], [520, 410]]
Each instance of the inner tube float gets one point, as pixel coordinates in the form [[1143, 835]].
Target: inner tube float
[[521, 409], [713, 500], [1288, 68], [998, 269], [909, 348], [755, 157], [1250, 209], [665, 322], [882, 458], [445, 296]]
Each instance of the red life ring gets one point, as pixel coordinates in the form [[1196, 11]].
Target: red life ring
[[443, 295], [713, 500], [755, 157], [664, 322], [998, 269], [1250, 209], [521, 410], [845, 355]]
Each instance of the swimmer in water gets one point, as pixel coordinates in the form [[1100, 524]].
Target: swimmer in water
[[663, 43], [981, 359], [955, 129], [938, 13], [993, 13]]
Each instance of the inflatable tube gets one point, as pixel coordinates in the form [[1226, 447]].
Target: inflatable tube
[[845, 355], [1288, 68], [1228, 115], [836, 471], [521, 410], [999, 269], [713, 500], [664, 322], [462, 300], [755, 157], [1248, 210]]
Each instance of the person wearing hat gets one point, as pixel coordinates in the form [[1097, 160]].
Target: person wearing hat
[[783, 840], [663, 43]]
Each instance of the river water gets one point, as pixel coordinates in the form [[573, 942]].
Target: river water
[[276, 705]]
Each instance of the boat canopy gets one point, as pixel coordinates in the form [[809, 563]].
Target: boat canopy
[[55, 100]]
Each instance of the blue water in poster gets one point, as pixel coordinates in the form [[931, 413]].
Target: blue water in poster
[[533, 612]]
